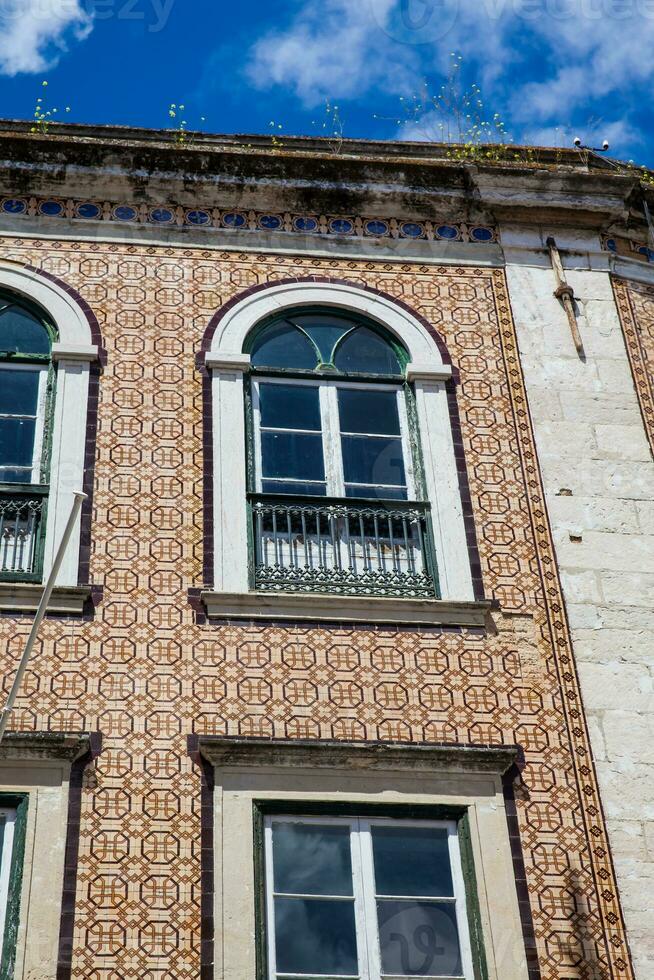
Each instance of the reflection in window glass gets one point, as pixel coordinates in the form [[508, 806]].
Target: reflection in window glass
[[289, 407], [412, 861], [19, 408], [369, 410], [325, 331], [20, 331], [284, 346], [364, 352], [356, 897], [418, 939]]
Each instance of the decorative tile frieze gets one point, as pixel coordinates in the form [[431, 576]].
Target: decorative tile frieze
[[635, 303], [172, 215], [628, 247]]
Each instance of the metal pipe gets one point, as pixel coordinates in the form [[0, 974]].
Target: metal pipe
[[41, 611], [565, 293]]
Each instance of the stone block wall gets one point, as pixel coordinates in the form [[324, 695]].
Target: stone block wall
[[598, 474]]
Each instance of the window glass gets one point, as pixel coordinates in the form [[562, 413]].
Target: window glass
[[418, 939], [314, 934], [19, 397], [412, 861], [290, 407], [292, 455], [16, 442], [325, 331], [328, 341], [284, 346], [368, 410], [310, 859], [292, 460], [373, 461], [371, 444], [20, 331], [365, 352], [361, 898], [19, 391]]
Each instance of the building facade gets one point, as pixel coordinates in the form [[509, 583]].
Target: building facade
[[348, 671]]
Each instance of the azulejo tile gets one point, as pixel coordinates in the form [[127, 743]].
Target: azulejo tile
[[361, 226]]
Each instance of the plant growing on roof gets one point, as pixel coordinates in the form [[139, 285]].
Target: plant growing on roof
[[43, 117]]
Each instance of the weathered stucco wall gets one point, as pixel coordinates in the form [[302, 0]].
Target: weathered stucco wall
[[599, 483]]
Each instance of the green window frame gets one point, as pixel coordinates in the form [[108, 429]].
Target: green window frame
[[338, 538], [398, 815], [24, 503], [11, 878]]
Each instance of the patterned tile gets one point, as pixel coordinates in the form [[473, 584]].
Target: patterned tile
[[147, 674], [636, 309], [351, 226]]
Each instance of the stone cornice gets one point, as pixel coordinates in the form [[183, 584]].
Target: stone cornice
[[30, 746], [23, 597], [237, 752], [84, 165], [367, 610]]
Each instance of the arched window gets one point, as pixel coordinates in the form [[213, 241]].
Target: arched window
[[337, 490], [329, 410], [330, 415], [26, 402]]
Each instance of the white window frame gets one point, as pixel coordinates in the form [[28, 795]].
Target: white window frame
[[9, 813], [73, 355], [426, 371], [331, 429], [39, 430], [365, 893]]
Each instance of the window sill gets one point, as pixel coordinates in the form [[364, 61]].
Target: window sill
[[21, 597], [373, 610]]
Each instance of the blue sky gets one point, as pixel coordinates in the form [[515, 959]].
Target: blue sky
[[552, 69]]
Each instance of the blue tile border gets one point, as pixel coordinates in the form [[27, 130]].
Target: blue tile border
[[171, 215]]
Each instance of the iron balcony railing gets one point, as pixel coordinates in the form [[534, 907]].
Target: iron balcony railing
[[22, 527], [349, 547]]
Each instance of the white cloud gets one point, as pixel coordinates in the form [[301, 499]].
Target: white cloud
[[333, 49], [33, 33], [541, 63]]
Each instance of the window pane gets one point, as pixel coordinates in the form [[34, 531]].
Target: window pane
[[312, 860], [374, 461], [15, 475], [419, 939], [325, 330], [292, 454], [412, 861], [315, 936], [19, 392], [298, 489], [290, 407], [17, 441], [376, 493], [284, 346], [21, 332], [368, 411], [365, 352]]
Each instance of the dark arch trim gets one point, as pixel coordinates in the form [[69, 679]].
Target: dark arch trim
[[91, 420], [455, 420]]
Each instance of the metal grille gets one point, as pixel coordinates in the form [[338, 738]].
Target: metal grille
[[314, 544], [22, 521]]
